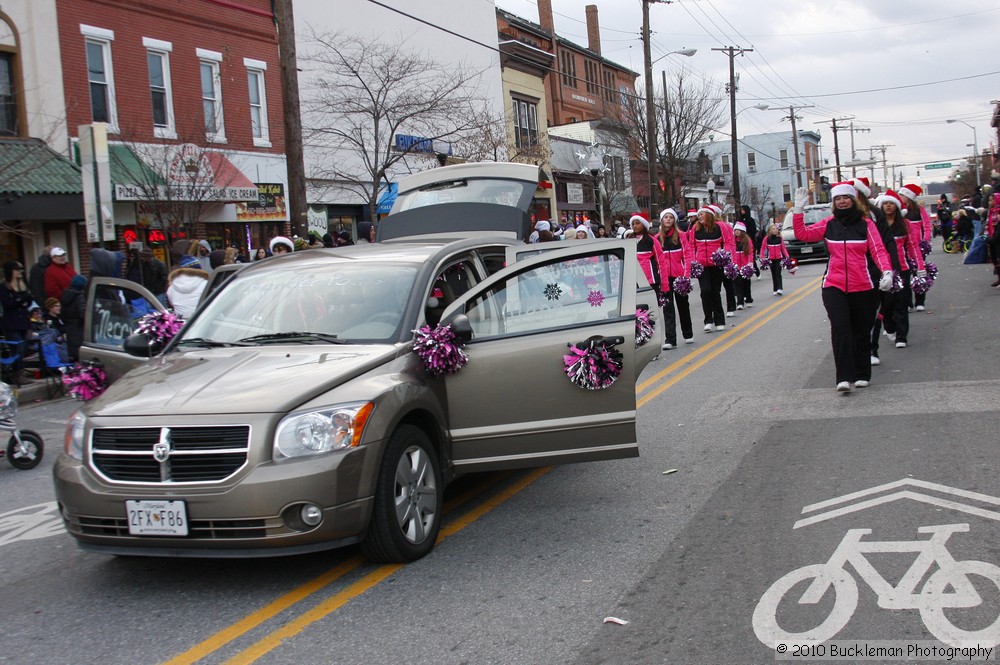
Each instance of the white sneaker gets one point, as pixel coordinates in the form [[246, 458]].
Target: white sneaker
[[689, 340], [730, 313], [900, 345], [667, 346], [920, 308], [774, 293], [779, 292], [709, 327], [890, 336], [876, 361], [720, 327], [750, 304], [843, 387], [739, 307], [861, 384]]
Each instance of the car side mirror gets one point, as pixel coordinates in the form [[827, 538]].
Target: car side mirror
[[141, 346], [461, 326]]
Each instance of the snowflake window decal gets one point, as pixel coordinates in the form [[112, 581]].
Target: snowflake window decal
[[552, 291], [596, 298]]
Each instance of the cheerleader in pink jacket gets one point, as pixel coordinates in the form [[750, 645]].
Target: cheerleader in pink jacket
[[917, 216], [707, 235], [773, 252], [649, 254], [743, 256], [674, 242]]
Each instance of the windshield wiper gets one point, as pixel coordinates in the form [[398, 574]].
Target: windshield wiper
[[206, 343], [304, 337]]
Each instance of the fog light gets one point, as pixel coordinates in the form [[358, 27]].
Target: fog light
[[311, 514]]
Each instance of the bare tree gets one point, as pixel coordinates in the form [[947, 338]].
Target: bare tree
[[359, 95], [759, 197]]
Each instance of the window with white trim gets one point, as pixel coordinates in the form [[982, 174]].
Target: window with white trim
[[786, 193], [525, 123], [725, 163], [211, 95], [100, 75], [258, 102], [751, 162], [783, 157], [161, 95]]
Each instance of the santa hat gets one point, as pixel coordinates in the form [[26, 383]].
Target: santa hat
[[889, 195], [281, 240], [668, 211], [863, 185], [715, 209], [693, 212], [911, 191], [740, 226], [641, 218], [843, 189], [543, 225], [705, 208]]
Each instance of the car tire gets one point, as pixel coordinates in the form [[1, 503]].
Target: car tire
[[409, 498]]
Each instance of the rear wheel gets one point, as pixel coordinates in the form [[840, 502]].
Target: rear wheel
[[28, 453], [406, 516]]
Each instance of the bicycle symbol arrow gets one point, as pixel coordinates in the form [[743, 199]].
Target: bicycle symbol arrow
[[901, 493]]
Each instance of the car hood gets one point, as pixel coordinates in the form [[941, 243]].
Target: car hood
[[264, 379]]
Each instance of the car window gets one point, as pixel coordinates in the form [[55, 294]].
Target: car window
[[349, 301], [116, 311], [565, 292], [810, 216], [497, 191]]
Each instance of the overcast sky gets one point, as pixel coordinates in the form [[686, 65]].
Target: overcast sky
[[841, 56]]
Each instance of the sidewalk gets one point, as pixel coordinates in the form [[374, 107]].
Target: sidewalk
[[36, 391]]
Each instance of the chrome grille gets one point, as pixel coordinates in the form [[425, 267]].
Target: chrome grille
[[186, 454]]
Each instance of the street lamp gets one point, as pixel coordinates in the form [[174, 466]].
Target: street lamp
[[975, 147], [710, 186], [650, 119]]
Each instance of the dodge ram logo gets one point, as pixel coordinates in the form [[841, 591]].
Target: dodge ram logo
[[161, 451]]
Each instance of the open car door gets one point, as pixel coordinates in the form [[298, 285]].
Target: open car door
[[114, 307], [513, 405]]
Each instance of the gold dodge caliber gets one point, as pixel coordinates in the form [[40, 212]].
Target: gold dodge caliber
[[292, 414]]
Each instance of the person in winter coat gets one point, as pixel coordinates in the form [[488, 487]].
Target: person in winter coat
[[707, 235], [74, 304], [746, 216], [917, 215], [900, 239], [58, 274], [16, 320], [36, 276], [773, 251], [201, 253], [744, 255], [185, 285], [848, 291], [673, 243]]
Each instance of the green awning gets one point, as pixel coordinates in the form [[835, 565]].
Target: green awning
[[28, 166], [127, 168]]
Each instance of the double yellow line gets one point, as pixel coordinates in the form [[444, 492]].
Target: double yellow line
[[655, 385]]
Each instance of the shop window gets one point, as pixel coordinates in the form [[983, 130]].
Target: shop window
[[100, 75], [258, 102], [211, 95], [525, 123], [158, 59]]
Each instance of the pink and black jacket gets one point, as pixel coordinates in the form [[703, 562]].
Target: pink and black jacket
[[849, 246], [674, 262], [651, 259], [702, 244], [904, 246], [773, 248], [742, 258]]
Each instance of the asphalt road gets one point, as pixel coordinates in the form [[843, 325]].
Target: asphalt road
[[752, 469]]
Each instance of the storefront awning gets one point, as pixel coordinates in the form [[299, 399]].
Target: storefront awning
[[387, 198], [38, 183], [192, 174]]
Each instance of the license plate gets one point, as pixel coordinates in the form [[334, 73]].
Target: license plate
[[806, 250], [156, 518]]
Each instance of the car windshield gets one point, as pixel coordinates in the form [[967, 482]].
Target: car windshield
[[339, 302], [512, 193]]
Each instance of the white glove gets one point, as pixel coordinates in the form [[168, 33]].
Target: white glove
[[801, 199], [922, 274], [885, 284]]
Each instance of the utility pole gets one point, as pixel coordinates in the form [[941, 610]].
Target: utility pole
[[732, 52], [885, 168], [668, 144], [795, 140], [650, 118], [297, 205], [854, 156], [836, 143]]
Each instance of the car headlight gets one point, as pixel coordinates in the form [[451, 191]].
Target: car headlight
[[74, 435], [321, 431]]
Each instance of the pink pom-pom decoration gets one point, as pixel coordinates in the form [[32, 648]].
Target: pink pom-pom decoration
[[747, 271], [643, 327], [682, 286], [765, 264], [932, 270], [85, 382], [925, 247], [721, 258], [696, 270], [439, 349], [897, 283], [661, 299], [160, 327], [593, 367], [789, 264], [730, 271]]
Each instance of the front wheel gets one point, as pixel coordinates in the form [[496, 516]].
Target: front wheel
[[765, 615], [28, 453], [406, 516], [948, 245]]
